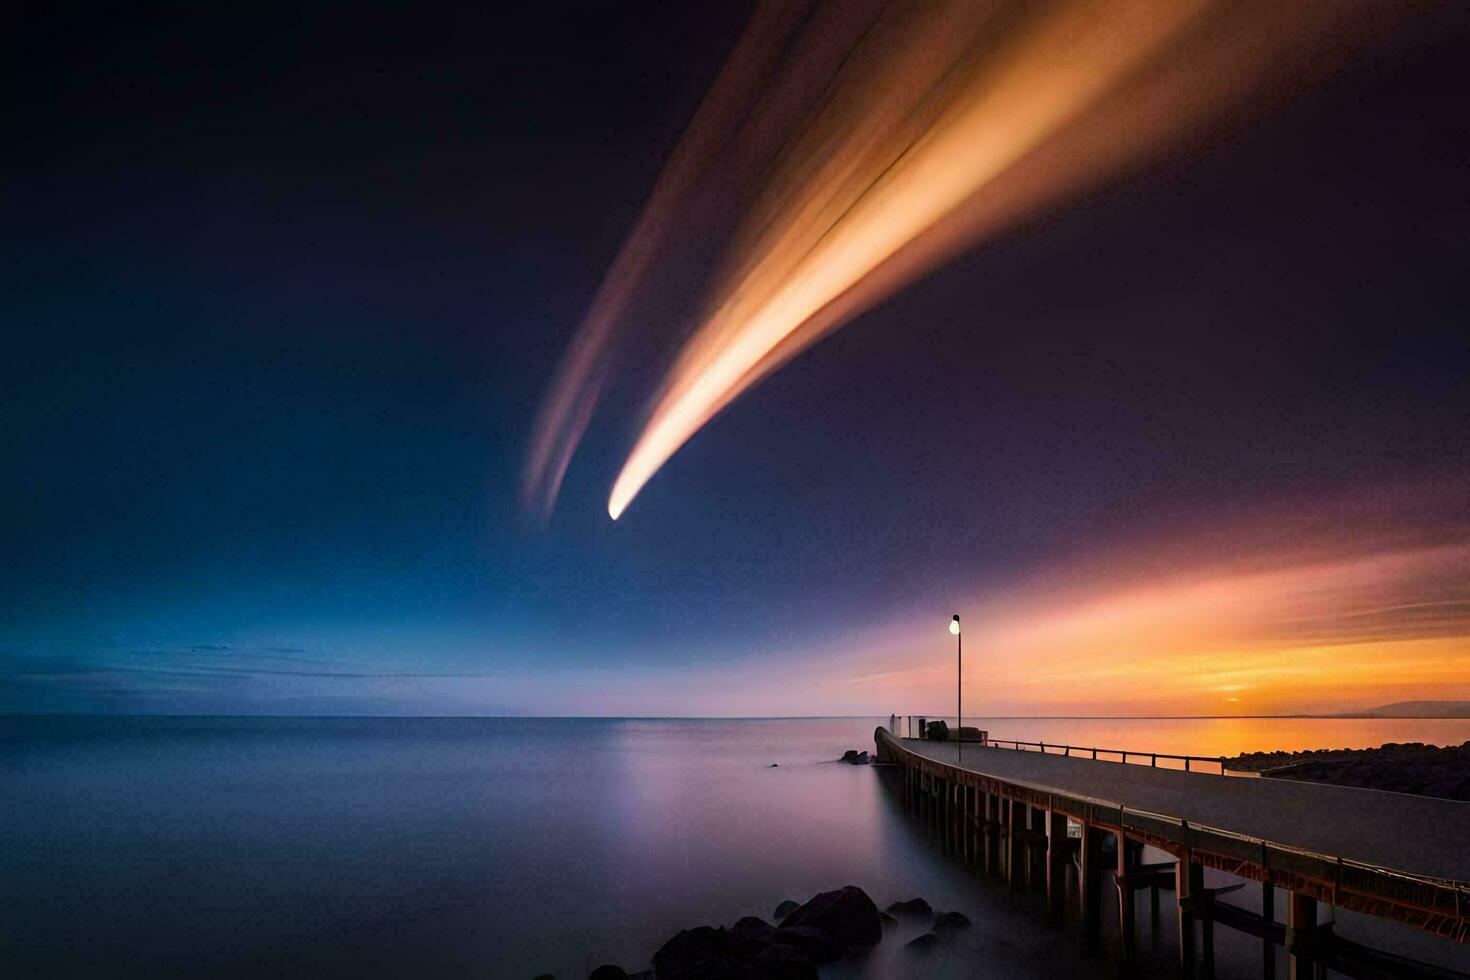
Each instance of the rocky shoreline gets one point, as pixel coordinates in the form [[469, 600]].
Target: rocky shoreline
[[829, 927], [1409, 767]]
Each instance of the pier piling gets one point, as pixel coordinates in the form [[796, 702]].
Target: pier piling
[[1058, 854]]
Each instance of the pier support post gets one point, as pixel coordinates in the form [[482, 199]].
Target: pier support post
[[956, 819], [1016, 860], [1206, 906], [969, 815], [1189, 879], [1153, 917], [1090, 881], [1058, 854], [1268, 948], [1301, 921], [1126, 924], [992, 833]]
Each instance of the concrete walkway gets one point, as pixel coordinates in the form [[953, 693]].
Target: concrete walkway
[[1415, 834]]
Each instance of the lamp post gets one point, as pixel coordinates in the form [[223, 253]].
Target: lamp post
[[959, 662]]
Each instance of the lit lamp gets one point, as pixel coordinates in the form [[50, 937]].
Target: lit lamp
[[954, 627]]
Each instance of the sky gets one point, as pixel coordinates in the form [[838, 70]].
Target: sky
[[286, 288]]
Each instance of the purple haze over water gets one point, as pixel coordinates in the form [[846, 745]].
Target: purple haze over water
[[491, 847]]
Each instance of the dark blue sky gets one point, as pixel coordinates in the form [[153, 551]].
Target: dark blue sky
[[283, 289]]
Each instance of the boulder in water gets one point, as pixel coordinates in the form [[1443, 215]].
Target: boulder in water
[[814, 943], [692, 950], [752, 933], [779, 961], [848, 915], [951, 921], [914, 908]]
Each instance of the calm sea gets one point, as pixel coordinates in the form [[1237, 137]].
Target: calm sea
[[494, 847]]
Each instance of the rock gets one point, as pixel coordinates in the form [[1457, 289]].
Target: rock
[[544, 976], [914, 908], [751, 934], [608, 972], [887, 920], [850, 755], [848, 915], [862, 759], [951, 921], [771, 766], [814, 943], [779, 961], [718, 968], [691, 950], [784, 909], [922, 944]]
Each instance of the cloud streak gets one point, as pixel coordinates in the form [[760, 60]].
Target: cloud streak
[[937, 125]]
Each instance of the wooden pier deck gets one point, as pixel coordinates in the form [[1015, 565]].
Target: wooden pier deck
[[1030, 816], [1413, 834]]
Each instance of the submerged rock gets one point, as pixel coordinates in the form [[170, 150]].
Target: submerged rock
[[951, 921], [848, 915], [785, 909], [914, 908], [752, 933], [815, 943], [691, 950], [779, 961]]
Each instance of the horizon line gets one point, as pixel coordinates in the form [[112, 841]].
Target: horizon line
[[1361, 715]]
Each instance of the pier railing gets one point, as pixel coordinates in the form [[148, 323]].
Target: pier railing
[[1211, 763], [1133, 756]]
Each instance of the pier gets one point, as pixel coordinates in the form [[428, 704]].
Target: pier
[[1030, 816]]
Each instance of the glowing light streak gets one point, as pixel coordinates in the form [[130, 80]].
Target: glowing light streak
[[935, 125]]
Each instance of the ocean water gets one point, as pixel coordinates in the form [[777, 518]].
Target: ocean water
[[482, 847]]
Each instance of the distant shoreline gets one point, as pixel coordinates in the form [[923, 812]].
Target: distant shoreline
[[1341, 716]]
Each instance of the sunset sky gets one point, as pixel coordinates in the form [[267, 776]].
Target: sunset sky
[[285, 291]]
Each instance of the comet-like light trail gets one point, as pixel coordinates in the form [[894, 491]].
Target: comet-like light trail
[[868, 143]]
